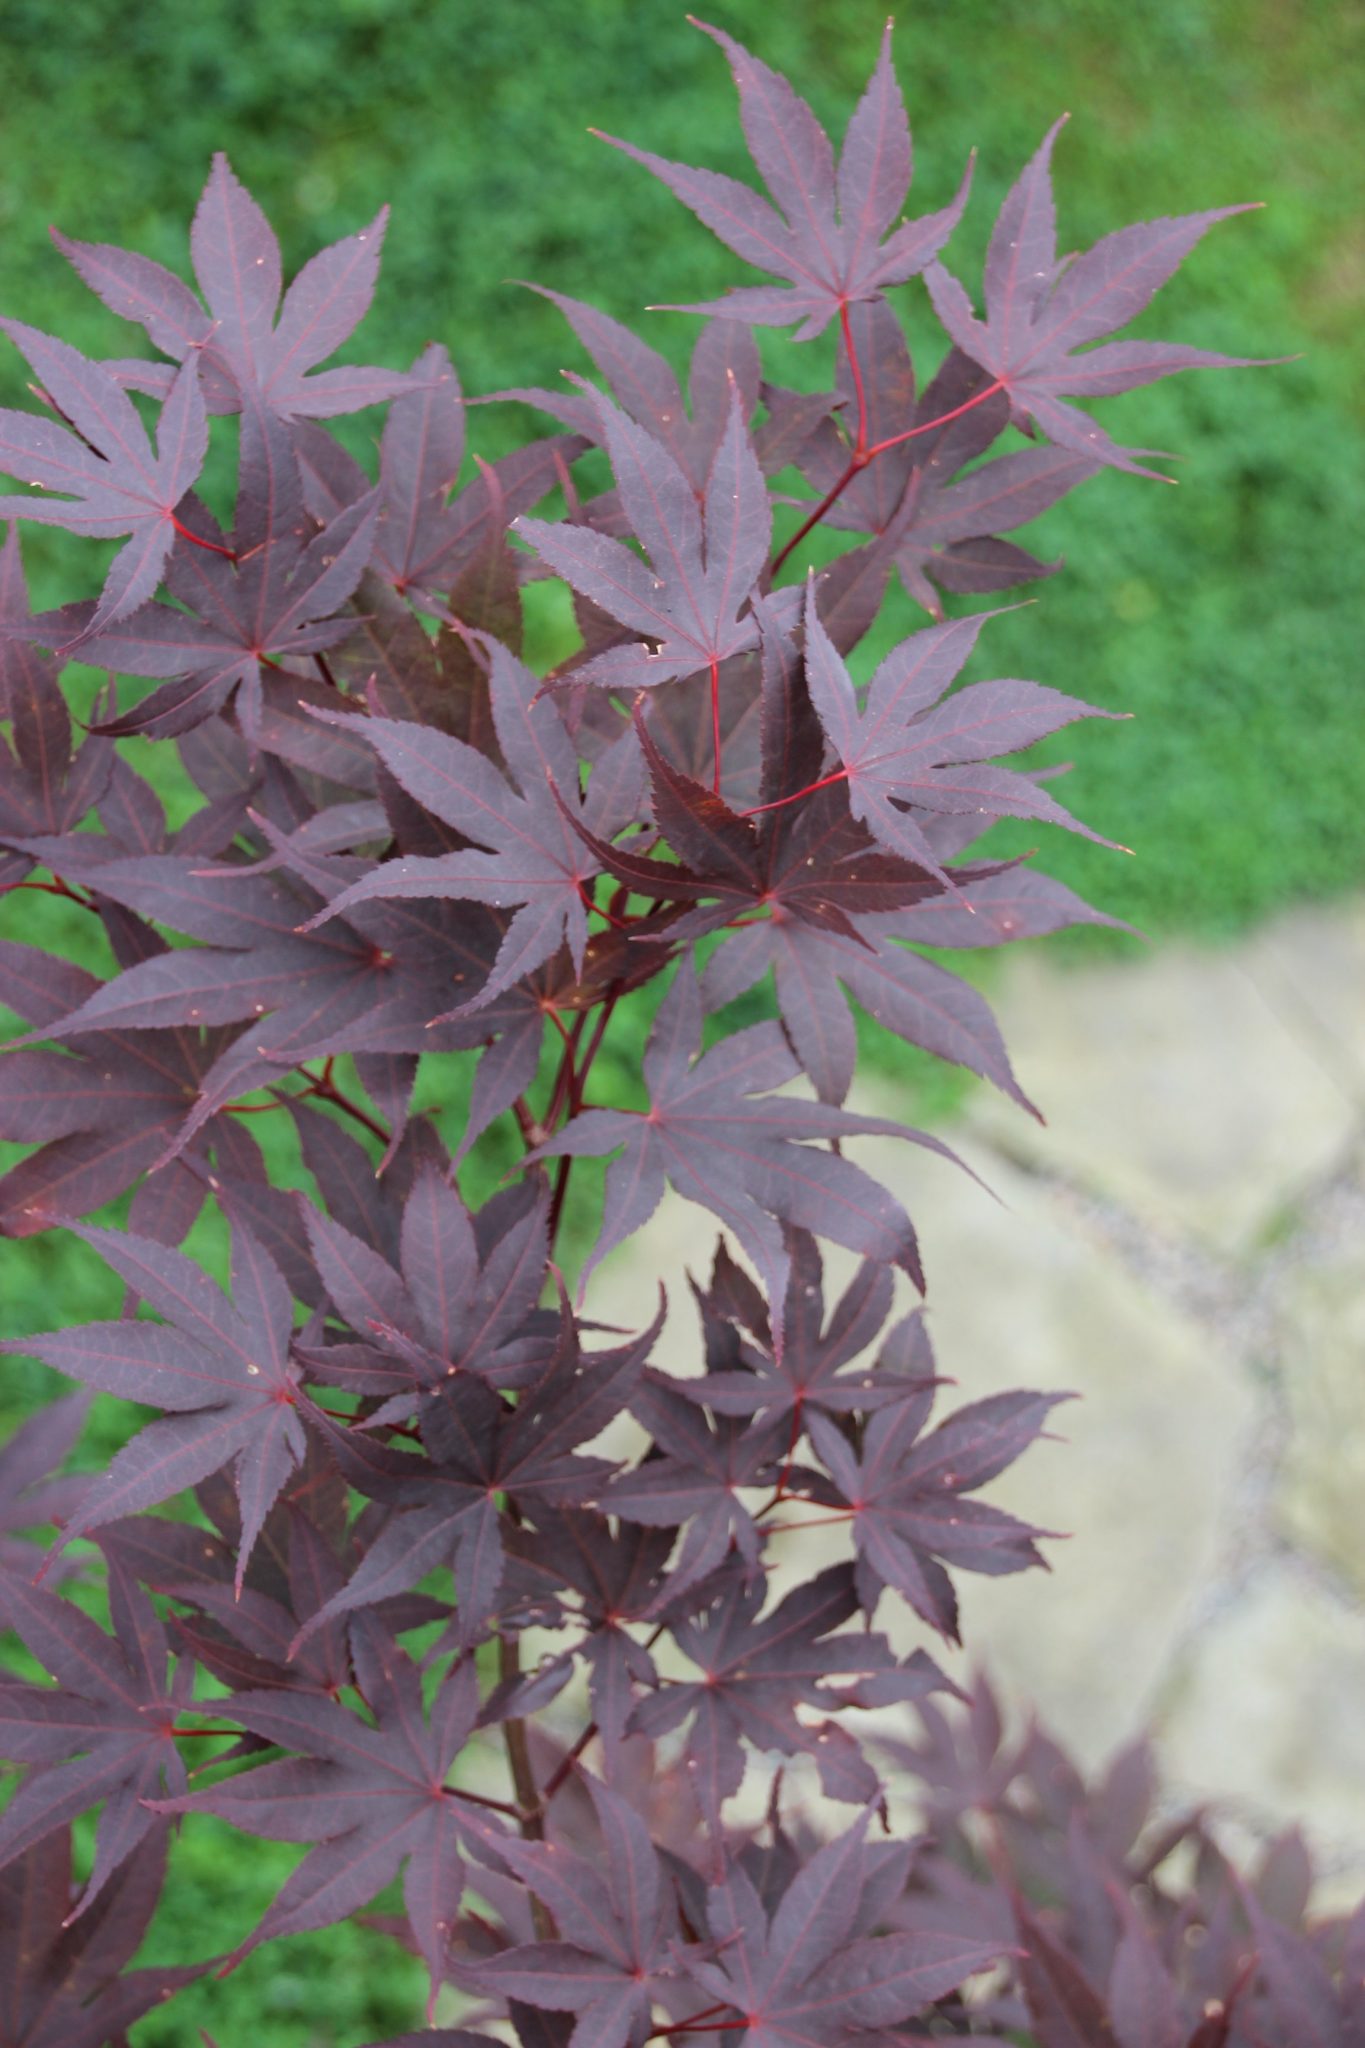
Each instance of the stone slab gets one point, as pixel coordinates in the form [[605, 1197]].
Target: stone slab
[[1320, 1495], [1267, 1716], [1310, 967], [1148, 1480], [1172, 1086]]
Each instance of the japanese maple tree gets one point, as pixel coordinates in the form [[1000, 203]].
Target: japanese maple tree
[[415, 1562]]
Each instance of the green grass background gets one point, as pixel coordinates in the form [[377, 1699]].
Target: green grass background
[[1225, 614]]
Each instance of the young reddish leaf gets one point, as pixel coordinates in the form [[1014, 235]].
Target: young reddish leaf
[[814, 866], [933, 530]]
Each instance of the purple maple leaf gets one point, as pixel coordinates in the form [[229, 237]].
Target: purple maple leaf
[[426, 543], [45, 787], [1299, 1990], [811, 1363], [1040, 312], [797, 1980], [29, 1496], [755, 1673], [220, 1369], [373, 983], [112, 480], [814, 866], [479, 1449], [534, 859], [903, 750], [618, 1930], [273, 602], [904, 1492], [466, 1294], [243, 347], [617, 1572], [246, 1636], [716, 1132], [918, 1000], [930, 528], [694, 1476], [370, 1798], [644, 385], [106, 1734], [60, 1978], [690, 601], [827, 236], [104, 1111], [1014, 903]]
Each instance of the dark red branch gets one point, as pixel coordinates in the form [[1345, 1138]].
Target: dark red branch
[[56, 887], [859, 460], [324, 1089]]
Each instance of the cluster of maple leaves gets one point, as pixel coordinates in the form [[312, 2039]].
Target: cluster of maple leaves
[[410, 846]]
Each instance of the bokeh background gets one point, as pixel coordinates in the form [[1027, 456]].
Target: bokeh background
[[1226, 614]]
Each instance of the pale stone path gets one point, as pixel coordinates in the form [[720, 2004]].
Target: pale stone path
[[1183, 1245]]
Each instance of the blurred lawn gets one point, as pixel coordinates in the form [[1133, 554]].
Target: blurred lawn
[[1226, 614]]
